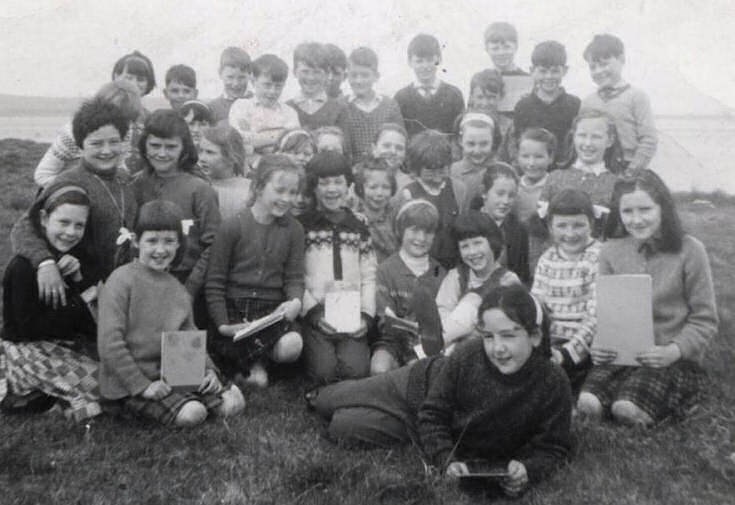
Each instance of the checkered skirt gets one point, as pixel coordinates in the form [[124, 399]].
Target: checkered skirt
[[166, 409], [57, 371]]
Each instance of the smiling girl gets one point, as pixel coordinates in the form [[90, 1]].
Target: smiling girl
[[375, 185], [222, 158]]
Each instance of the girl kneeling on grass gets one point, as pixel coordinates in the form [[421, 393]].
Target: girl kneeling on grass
[[497, 398], [50, 350], [256, 268], [139, 301], [648, 239]]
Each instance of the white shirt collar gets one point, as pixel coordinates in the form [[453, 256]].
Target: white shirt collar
[[433, 87], [596, 169]]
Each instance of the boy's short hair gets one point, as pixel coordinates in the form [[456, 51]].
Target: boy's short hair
[[489, 81], [93, 115], [336, 57], [501, 32], [428, 149], [419, 213], [138, 64], [604, 46], [571, 202], [549, 53], [540, 135], [200, 110], [473, 224], [364, 57], [182, 74], [162, 215], [235, 57], [372, 164], [272, 66], [312, 54], [424, 45], [326, 164]]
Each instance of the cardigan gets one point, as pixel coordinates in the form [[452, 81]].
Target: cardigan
[[434, 112], [253, 260], [684, 309]]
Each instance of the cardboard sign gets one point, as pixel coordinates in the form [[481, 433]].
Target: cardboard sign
[[183, 359], [342, 307], [624, 316]]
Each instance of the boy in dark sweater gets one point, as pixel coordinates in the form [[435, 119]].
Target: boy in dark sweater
[[428, 102], [549, 106], [498, 398]]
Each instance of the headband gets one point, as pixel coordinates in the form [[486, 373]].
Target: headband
[[477, 116], [291, 134], [539, 311], [60, 191], [413, 203]]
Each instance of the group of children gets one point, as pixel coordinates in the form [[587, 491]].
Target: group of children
[[495, 224]]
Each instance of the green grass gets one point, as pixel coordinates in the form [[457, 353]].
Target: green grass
[[275, 454]]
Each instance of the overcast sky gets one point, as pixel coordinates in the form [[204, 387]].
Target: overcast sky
[[67, 48]]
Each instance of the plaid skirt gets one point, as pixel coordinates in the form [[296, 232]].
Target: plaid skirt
[[659, 392], [57, 371], [165, 410]]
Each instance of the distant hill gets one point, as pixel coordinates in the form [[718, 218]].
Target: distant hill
[[17, 105]]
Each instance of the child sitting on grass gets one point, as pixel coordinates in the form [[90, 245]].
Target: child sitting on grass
[[565, 282], [646, 237], [139, 301], [497, 398]]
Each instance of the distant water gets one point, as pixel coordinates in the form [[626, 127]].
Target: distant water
[[694, 152]]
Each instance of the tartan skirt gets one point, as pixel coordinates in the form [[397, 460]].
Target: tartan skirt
[[659, 392], [166, 409], [57, 371]]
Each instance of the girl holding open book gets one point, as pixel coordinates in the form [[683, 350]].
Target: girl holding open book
[[257, 268], [648, 239]]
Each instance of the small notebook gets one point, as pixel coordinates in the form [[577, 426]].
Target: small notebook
[[624, 316], [258, 325], [183, 359], [342, 307], [516, 86]]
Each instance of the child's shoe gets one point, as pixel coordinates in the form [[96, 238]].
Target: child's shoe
[[258, 376]]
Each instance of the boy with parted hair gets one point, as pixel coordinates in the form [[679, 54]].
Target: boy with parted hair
[[629, 106], [261, 120], [337, 72], [501, 44], [234, 71], [181, 85], [549, 106], [428, 102]]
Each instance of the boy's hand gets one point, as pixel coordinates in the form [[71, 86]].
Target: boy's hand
[[229, 330], [157, 390], [290, 308], [517, 480], [51, 286], [602, 356], [211, 383], [660, 356], [68, 265], [456, 469]]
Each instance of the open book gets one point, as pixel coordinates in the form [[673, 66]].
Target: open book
[[183, 359], [259, 324]]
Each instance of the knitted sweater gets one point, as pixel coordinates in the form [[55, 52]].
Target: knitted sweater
[[631, 109], [557, 116], [684, 309], [599, 187], [254, 260], [332, 113], [567, 287], [435, 112], [363, 126], [524, 416], [337, 251], [136, 305]]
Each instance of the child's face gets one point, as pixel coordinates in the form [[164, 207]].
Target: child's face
[[212, 162], [417, 241], [424, 67], [163, 153], [302, 203], [330, 192], [157, 249], [477, 144], [484, 101], [335, 77], [235, 81], [391, 146], [196, 127], [329, 142], [177, 93], [267, 91], [311, 79], [640, 214], [279, 193], [377, 190], [302, 155], [507, 344], [571, 234], [361, 79], [548, 79], [591, 140], [433, 177], [140, 81], [534, 159], [102, 149], [607, 72], [502, 53], [499, 199], [64, 226], [476, 254]]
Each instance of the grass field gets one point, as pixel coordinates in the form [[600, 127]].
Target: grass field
[[275, 454]]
